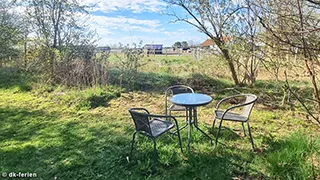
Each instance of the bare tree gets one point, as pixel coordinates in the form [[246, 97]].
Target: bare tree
[[213, 18], [56, 20], [247, 51], [295, 29]]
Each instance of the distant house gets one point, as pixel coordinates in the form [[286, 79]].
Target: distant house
[[211, 44], [153, 48], [207, 43], [105, 49]]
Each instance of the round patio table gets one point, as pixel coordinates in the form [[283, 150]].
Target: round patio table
[[191, 101]]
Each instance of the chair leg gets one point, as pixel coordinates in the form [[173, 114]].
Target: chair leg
[[154, 155], [214, 122], [244, 131], [251, 139], [179, 138], [218, 132], [132, 142]]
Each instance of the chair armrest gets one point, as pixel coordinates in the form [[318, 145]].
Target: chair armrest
[[227, 98]]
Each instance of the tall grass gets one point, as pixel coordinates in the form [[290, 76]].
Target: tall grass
[[291, 158], [77, 99]]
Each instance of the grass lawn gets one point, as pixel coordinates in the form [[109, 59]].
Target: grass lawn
[[40, 133]]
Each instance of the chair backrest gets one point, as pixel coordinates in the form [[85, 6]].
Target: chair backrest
[[141, 120], [249, 101], [176, 89]]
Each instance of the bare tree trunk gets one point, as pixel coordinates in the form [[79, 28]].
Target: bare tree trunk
[[231, 66]]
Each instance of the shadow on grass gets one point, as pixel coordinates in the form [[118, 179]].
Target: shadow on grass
[[35, 141], [270, 93], [21, 124], [172, 164], [226, 133], [85, 148], [157, 82]]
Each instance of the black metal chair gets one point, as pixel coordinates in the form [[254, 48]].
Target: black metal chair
[[169, 107], [228, 115], [152, 126]]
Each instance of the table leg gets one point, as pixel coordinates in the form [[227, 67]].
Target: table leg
[[196, 125], [195, 117], [190, 125]]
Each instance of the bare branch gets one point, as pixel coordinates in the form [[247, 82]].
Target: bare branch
[[287, 86], [314, 2]]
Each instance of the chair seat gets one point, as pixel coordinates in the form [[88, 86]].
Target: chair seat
[[174, 107], [159, 126], [230, 116]]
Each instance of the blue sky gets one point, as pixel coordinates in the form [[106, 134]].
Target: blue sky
[[129, 21]]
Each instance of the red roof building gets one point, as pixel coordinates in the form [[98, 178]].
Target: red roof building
[[211, 43]]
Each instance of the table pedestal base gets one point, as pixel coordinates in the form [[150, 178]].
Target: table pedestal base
[[193, 114]]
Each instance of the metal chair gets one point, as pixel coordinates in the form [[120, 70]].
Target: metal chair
[[243, 117], [152, 126], [169, 107]]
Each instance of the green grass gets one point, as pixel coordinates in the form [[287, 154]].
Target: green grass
[[290, 158], [85, 134], [76, 99]]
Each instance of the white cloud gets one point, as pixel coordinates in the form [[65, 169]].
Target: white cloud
[[109, 28], [136, 6], [177, 33], [123, 23]]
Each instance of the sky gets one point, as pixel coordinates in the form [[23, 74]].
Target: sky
[[132, 21]]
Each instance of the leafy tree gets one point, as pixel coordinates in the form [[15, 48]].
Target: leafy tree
[[10, 34], [61, 31], [177, 45], [56, 21], [184, 44]]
